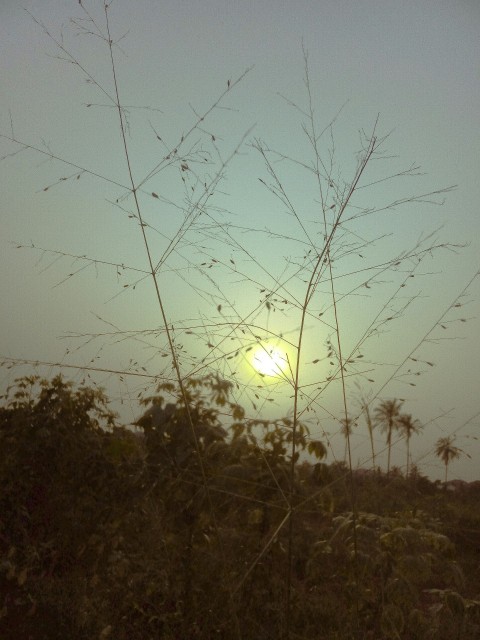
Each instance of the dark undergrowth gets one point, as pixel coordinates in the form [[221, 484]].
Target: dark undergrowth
[[108, 532]]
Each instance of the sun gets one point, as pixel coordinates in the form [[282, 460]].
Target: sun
[[269, 361]]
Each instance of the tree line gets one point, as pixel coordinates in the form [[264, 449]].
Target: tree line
[[173, 532]]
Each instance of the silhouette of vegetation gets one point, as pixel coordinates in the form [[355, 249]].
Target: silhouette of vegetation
[[447, 451], [387, 416], [408, 426], [109, 532]]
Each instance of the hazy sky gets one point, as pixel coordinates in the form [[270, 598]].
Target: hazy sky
[[416, 65]]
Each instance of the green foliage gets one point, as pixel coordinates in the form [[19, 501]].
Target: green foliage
[[175, 530], [62, 470], [390, 564]]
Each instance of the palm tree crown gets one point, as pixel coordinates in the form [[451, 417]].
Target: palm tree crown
[[386, 415], [447, 451], [409, 426]]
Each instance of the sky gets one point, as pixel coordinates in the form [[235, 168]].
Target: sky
[[233, 212]]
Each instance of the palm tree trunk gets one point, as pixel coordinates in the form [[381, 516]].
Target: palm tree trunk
[[389, 443], [370, 431], [408, 456]]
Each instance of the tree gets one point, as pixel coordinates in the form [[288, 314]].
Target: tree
[[409, 426], [221, 485], [68, 477], [387, 414], [447, 451]]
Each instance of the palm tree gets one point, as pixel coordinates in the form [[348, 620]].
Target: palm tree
[[447, 451], [386, 415], [409, 426]]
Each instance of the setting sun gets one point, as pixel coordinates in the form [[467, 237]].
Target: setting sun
[[269, 361]]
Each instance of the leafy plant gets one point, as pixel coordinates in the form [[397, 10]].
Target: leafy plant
[[396, 558]]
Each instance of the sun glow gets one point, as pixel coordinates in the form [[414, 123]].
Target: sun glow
[[269, 361]]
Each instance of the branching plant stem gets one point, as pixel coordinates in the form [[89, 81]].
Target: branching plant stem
[[175, 362], [308, 295]]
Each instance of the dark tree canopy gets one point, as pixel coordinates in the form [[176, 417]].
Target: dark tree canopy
[[175, 529]]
